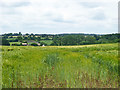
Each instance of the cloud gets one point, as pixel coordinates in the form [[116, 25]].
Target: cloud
[[91, 4], [99, 16], [58, 16], [17, 4]]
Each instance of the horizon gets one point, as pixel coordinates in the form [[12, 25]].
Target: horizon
[[63, 33]]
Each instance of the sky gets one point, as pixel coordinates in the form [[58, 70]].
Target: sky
[[59, 16]]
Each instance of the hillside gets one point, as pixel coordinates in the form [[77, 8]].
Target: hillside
[[16, 39]]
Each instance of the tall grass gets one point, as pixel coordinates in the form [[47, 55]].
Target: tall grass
[[78, 67], [0, 68]]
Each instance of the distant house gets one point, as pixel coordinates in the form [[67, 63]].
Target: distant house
[[38, 44], [24, 44]]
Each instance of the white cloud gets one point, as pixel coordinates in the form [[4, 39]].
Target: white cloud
[[56, 15]]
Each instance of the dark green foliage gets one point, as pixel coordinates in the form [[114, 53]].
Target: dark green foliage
[[64, 39], [34, 44], [4, 42], [16, 44], [84, 39], [19, 38], [38, 38], [24, 41], [42, 43], [12, 39]]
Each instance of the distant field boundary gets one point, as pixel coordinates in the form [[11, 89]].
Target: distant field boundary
[[68, 46]]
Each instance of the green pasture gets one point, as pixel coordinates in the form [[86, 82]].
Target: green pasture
[[48, 42], [89, 66], [14, 43], [11, 38]]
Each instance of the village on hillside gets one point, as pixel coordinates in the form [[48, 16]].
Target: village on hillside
[[19, 39], [31, 43]]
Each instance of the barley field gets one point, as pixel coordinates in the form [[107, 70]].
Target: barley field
[[85, 66]]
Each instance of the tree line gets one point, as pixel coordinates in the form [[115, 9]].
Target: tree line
[[85, 39], [62, 39]]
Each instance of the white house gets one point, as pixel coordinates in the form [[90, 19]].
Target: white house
[[24, 44]]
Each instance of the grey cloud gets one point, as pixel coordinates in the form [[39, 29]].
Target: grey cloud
[[63, 21], [99, 16], [51, 19], [48, 14], [90, 4], [10, 12], [58, 19], [17, 4]]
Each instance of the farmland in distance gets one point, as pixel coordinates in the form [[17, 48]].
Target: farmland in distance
[[85, 66]]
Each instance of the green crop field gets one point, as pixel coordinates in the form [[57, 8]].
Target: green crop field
[[87, 66]]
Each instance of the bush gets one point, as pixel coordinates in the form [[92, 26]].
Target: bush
[[16, 44], [24, 42], [34, 44], [42, 43], [5, 42], [16, 40], [53, 44]]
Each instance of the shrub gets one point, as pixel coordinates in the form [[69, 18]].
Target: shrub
[[16, 44], [34, 44], [24, 42], [5, 42], [42, 43]]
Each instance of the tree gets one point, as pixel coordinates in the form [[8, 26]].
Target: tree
[[19, 38], [27, 34], [90, 40], [16, 44], [38, 38], [5, 42], [20, 33], [34, 44], [42, 43]]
